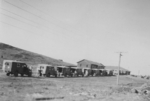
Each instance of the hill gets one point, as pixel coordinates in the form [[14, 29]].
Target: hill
[[8, 52]]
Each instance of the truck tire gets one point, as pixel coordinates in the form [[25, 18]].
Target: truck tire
[[22, 74], [29, 75], [47, 75], [7, 74], [16, 74], [56, 75]]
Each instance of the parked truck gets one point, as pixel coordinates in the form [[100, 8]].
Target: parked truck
[[77, 71], [12, 67], [46, 70], [67, 72]]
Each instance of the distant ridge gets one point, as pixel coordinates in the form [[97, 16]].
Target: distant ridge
[[8, 52]]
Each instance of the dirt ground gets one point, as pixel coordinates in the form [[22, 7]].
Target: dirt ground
[[70, 89]]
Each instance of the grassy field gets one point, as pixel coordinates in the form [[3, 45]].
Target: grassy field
[[70, 89]]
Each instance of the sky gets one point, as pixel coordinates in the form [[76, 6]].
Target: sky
[[73, 30]]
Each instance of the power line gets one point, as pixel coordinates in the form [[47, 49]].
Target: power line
[[21, 28], [31, 13], [25, 18], [48, 15], [16, 19], [24, 30], [33, 7], [26, 11], [16, 27], [22, 9], [35, 14], [43, 12], [19, 15]]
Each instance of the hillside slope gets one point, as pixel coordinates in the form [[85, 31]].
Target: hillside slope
[[8, 52]]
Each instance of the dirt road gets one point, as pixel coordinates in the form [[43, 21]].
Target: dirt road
[[70, 89]]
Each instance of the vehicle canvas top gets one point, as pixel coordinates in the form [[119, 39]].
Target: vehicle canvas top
[[18, 65]]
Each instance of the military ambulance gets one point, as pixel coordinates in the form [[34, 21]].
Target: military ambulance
[[77, 71], [13, 67], [65, 71], [47, 70]]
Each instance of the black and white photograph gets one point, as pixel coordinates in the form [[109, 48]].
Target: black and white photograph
[[74, 50]]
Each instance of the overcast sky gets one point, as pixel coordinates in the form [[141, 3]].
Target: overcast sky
[[73, 30]]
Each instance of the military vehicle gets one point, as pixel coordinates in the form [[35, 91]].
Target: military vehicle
[[47, 70], [15, 68]]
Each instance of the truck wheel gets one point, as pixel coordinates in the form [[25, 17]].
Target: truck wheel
[[22, 74], [15, 74], [8, 74], [29, 75], [47, 75]]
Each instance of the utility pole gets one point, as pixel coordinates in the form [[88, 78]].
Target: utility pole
[[119, 68], [120, 54]]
